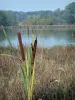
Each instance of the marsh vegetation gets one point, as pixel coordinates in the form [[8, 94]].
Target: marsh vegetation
[[37, 72], [54, 74]]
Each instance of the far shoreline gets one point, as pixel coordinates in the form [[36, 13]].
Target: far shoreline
[[42, 27]]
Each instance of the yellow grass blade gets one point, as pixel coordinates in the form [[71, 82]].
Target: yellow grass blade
[[32, 39]]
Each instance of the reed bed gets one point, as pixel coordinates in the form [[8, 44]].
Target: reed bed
[[54, 74]]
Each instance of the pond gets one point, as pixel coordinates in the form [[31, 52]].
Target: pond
[[46, 38]]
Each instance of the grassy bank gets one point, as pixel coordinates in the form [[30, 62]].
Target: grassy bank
[[54, 74]]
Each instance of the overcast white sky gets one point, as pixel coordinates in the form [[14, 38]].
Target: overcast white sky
[[33, 5]]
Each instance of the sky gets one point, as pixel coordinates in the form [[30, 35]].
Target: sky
[[33, 5]]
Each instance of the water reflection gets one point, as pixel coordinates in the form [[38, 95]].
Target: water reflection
[[46, 38]]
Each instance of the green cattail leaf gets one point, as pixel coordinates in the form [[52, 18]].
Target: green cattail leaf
[[23, 80], [29, 61], [27, 74], [25, 70], [6, 36], [22, 76], [27, 65], [32, 82]]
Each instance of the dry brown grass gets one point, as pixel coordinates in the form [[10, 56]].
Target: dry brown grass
[[54, 67]]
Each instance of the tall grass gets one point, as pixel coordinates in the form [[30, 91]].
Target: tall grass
[[6, 35], [28, 69]]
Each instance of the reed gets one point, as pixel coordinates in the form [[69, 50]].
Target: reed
[[7, 40], [6, 35]]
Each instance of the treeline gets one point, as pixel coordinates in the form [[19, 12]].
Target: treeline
[[66, 16]]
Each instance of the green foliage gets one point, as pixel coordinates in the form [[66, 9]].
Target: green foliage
[[6, 35], [11, 19], [70, 8], [3, 19], [66, 16], [7, 18], [71, 19], [70, 13]]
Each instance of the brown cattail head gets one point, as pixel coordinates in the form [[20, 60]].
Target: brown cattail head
[[35, 45], [34, 50], [32, 57], [35, 42], [21, 46]]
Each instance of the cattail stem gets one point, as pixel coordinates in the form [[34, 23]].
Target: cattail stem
[[21, 46]]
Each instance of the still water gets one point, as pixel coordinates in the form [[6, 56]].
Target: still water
[[46, 38]]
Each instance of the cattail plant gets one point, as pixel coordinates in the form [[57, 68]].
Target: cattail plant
[[26, 71], [27, 75]]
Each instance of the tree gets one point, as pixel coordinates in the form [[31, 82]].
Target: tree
[[70, 8], [69, 14], [11, 19], [70, 19], [3, 19]]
